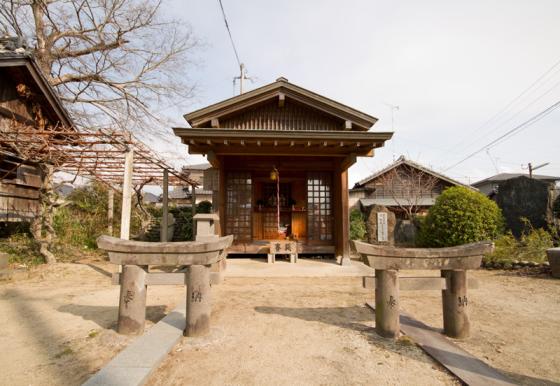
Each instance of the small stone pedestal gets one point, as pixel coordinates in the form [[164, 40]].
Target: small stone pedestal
[[205, 228]]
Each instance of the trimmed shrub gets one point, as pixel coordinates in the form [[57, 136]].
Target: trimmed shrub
[[357, 225], [460, 216], [204, 207]]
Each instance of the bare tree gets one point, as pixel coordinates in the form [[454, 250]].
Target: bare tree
[[409, 187], [113, 62]]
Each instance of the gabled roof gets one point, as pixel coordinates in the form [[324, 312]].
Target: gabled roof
[[403, 161], [360, 120], [509, 176], [24, 61]]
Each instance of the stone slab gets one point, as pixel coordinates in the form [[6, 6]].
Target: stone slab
[[133, 365], [469, 369]]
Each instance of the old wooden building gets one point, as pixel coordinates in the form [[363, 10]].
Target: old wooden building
[[25, 99], [404, 186], [281, 155]]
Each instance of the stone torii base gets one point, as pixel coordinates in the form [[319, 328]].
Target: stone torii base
[[453, 262], [136, 256]]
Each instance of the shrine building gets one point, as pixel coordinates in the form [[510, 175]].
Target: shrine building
[[280, 156]]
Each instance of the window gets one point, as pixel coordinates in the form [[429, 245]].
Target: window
[[238, 205], [319, 206]]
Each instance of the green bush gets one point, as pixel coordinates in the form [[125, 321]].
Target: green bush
[[204, 207], [84, 218], [357, 225], [460, 216], [531, 246]]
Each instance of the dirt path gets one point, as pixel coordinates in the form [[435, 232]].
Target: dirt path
[[57, 328], [295, 331]]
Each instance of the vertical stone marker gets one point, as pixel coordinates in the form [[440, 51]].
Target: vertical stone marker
[[455, 304], [198, 300], [382, 232], [387, 303], [132, 301]]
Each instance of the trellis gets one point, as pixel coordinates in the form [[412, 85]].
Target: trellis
[[115, 158]]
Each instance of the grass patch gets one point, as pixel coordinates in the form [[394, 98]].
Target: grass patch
[[65, 352], [92, 334]]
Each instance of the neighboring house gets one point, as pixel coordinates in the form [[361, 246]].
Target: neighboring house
[[150, 198], [197, 172], [490, 186], [405, 187], [26, 99], [522, 198], [182, 195]]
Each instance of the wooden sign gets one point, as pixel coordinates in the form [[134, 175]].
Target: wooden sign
[[283, 247], [382, 233]]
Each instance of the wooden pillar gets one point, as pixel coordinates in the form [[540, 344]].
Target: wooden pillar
[[387, 322], [164, 226], [110, 211], [132, 301], [198, 300], [127, 195], [455, 304], [193, 210], [222, 201], [341, 224]]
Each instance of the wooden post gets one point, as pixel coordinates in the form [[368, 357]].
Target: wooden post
[[193, 210], [127, 195], [110, 211], [341, 225], [164, 226], [387, 303], [132, 301], [455, 311], [198, 300]]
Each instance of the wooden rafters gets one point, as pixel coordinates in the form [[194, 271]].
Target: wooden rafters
[[92, 154]]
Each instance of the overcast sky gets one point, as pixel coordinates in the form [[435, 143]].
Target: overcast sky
[[449, 66]]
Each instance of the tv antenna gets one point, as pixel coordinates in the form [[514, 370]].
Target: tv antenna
[[242, 76]]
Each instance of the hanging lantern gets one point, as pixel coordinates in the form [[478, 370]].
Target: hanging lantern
[[274, 174]]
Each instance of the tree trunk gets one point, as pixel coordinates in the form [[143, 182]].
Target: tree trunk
[[42, 228]]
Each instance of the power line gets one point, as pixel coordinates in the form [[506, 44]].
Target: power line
[[534, 119], [229, 32], [511, 103]]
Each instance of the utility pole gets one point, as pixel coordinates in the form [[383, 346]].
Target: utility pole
[[531, 168]]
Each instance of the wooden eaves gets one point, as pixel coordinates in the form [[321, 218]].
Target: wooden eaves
[[225, 141]]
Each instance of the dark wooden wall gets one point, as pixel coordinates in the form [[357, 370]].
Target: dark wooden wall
[[291, 116], [19, 183]]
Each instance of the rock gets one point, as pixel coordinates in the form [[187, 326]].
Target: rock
[[525, 263], [371, 224]]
